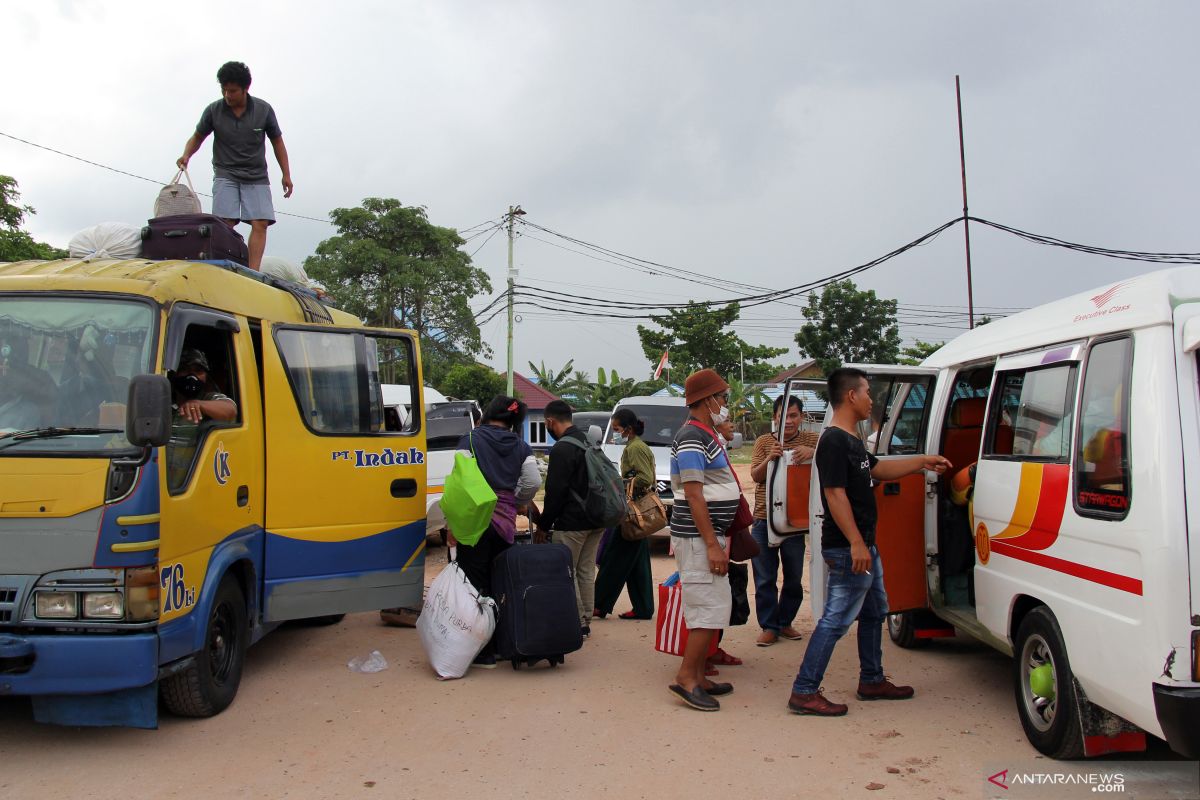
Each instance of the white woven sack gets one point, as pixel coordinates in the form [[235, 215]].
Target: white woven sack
[[455, 623], [278, 267], [176, 198], [107, 240]]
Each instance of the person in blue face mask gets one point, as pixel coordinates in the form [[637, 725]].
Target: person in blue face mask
[[625, 563]]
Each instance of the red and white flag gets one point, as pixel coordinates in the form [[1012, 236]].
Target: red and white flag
[[662, 364]]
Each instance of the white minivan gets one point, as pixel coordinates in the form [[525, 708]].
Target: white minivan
[[1079, 421]]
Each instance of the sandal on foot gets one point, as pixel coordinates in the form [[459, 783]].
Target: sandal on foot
[[697, 698], [632, 615], [723, 659], [710, 671]]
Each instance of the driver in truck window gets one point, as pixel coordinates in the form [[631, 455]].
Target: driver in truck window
[[194, 399]]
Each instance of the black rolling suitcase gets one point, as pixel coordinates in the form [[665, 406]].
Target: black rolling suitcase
[[534, 588], [193, 237]]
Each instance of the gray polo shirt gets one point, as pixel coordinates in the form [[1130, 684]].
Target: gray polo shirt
[[239, 148]]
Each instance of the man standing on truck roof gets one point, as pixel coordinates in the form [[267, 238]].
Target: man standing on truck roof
[[855, 585], [240, 123]]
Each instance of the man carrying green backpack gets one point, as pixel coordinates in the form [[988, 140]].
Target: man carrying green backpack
[[584, 495]]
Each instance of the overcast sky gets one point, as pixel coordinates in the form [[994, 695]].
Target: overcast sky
[[767, 143]]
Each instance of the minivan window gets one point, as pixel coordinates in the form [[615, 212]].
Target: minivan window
[[1033, 418], [1102, 474]]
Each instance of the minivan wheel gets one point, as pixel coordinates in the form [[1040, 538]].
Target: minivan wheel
[[902, 629], [1045, 688]]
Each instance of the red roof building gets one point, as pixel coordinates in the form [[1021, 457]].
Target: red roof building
[[534, 396]]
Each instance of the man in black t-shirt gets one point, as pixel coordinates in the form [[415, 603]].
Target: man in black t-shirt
[[855, 586]]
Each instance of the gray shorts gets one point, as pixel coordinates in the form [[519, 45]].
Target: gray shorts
[[244, 201], [707, 598]]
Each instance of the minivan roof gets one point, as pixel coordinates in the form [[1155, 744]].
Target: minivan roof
[[647, 400], [1137, 302]]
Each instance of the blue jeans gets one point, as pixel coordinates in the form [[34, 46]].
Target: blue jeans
[[847, 597], [776, 609]]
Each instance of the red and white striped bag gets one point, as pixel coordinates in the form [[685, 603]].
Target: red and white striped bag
[[670, 628]]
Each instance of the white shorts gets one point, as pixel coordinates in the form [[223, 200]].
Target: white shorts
[[707, 598]]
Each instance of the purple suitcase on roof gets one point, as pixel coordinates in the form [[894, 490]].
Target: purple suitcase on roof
[[193, 237]]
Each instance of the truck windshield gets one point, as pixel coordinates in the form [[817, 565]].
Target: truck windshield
[[65, 364]]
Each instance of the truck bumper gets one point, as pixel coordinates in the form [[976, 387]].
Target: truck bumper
[[76, 664], [1178, 711]]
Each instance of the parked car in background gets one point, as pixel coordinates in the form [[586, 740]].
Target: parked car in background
[[453, 408], [585, 420], [441, 440]]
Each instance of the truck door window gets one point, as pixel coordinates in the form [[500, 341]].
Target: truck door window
[[1036, 406], [217, 364], [1102, 474], [338, 376]]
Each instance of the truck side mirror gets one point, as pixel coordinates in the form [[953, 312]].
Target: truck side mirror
[[148, 413]]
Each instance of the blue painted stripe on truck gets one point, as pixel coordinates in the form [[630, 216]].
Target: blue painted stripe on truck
[[141, 501], [303, 558]]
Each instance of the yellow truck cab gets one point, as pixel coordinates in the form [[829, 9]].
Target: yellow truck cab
[[141, 552]]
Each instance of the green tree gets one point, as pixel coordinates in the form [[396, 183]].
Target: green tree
[[549, 379], [699, 336], [918, 352], [848, 325], [392, 267], [16, 244], [472, 382]]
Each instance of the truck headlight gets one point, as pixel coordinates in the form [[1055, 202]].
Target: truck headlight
[[103, 605], [56, 605]]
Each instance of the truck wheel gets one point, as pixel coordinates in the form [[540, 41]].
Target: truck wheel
[[1045, 688], [208, 686], [902, 628]]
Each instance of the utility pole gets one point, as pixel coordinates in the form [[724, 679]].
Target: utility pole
[[962, 159], [513, 213]]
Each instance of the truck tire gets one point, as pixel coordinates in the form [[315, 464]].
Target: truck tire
[[208, 686], [1045, 688]]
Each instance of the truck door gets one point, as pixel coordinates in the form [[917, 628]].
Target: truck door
[[897, 429], [210, 474], [345, 512]]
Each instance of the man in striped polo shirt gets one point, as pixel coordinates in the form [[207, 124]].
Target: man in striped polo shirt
[[703, 477]]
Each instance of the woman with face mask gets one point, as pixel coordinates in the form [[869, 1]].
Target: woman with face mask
[[625, 563]]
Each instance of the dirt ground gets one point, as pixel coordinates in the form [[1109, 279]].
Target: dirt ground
[[305, 726]]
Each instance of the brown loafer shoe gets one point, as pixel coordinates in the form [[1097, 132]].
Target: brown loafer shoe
[[791, 634], [766, 639], [815, 704], [886, 690]]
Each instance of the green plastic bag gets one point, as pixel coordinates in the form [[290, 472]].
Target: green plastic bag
[[467, 500]]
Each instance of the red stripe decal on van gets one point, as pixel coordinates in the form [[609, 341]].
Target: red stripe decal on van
[[1110, 579]]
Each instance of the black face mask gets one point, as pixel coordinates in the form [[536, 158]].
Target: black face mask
[[189, 386]]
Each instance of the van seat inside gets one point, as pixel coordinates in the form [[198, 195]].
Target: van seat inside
[[964, 430]]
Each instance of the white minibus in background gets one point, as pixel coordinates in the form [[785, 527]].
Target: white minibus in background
[[1068, 532]]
